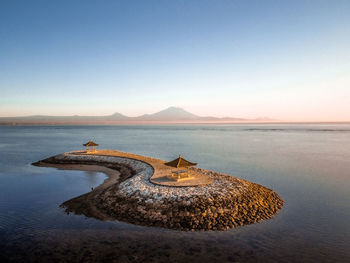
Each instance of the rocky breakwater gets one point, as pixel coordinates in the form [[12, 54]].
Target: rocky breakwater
[[227, 202]]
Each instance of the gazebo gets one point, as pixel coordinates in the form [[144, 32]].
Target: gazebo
[[180, 163], [90, 146]]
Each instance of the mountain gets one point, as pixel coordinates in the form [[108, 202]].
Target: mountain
[[76, 118], [170, 115], [117, 116]]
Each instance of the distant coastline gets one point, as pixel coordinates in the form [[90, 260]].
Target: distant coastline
[[169, 115], [116, 123]]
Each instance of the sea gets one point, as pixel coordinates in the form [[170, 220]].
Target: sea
[[308, 165]]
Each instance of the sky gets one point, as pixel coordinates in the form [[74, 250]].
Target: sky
[[287, 60]]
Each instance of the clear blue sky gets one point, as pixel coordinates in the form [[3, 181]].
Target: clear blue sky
[[283, 59]]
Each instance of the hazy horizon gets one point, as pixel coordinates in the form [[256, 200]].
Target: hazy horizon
[[286, 60], [256, 120]]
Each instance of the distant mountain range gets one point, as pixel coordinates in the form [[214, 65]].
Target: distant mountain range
[[169, 115]]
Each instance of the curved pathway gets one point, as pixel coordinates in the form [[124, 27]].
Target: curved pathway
[[161, 171]]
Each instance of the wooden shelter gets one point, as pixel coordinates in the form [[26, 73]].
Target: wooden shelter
[[90, 146], [180, 162]]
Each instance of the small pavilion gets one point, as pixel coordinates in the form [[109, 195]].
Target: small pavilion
[[90, 146], [180, 162]]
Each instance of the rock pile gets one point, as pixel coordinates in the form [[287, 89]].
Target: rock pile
[[226, 203]]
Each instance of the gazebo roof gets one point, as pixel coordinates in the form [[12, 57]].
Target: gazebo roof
[[90, 143], [180, 162]]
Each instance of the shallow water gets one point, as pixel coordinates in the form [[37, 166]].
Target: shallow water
[[308, 165]]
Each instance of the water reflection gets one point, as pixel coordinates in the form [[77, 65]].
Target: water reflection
[[310, 170], [92, 178]]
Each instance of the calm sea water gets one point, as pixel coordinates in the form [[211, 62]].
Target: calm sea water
[[308, 165]]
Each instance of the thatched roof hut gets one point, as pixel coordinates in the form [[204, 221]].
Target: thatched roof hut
[[90, 146], [90, 143], [180, 162]]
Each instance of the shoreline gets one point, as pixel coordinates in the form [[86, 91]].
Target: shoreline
[[223, 203]]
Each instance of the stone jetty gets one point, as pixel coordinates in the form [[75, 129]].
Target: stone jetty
[[212, 201]]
